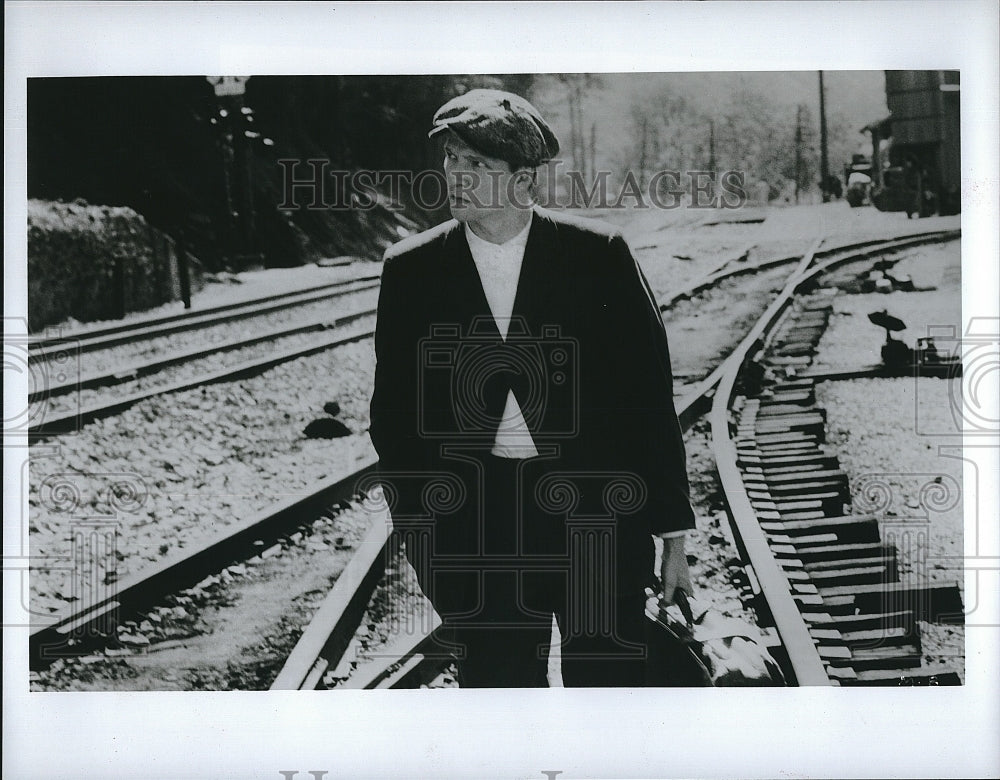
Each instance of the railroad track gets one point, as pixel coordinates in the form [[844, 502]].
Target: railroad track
[[147, 368], [830, 583], [409, 659], [730, 268], [813, 653], [49, 424], [53, 422], [95, 624], [114, 335]]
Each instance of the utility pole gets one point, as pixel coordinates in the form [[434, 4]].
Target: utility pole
[[642, 152], [593, 149], [711, 145], [798, 151], [711, 155], [824, 161]]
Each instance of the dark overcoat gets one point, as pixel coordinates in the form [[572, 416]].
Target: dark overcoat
[[587, 359]]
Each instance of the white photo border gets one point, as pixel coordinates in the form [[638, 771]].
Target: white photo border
[[639, 733]]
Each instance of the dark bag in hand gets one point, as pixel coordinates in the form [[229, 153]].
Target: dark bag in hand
[[691, 645]]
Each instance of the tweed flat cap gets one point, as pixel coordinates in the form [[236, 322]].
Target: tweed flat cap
[[499, 124]]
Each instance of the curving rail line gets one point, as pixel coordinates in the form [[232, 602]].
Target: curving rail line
[[408, 660], [830, 583]]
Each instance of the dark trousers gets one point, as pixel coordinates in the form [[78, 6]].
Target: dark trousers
[[529, 541]]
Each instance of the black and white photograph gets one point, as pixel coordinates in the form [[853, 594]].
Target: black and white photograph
[[463, 379]]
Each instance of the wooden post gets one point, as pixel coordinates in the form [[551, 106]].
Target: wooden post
[[237, 194], [183, 275], [118, 283]]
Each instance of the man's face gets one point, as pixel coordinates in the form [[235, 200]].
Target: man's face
[[481, 188]]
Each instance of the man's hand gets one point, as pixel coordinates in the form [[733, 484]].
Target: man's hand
[[674, 572]]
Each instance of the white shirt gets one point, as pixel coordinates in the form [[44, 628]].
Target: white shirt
[[499, 267]]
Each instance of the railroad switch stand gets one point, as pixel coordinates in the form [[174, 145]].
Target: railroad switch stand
[[925, 360]]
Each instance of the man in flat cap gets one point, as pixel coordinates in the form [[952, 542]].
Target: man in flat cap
[[523, 415]]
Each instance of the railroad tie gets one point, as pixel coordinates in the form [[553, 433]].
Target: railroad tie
[[778, 408], [882, 678], [775, 463], [844, 579], [935, 602], [807, 473]]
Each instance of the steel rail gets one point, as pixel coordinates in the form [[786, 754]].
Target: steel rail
[[73, 421], [720, 273], [86, 342], [697, 401], [803, 655], [146, 368], [143, 321], [400, 660], [132, 595]]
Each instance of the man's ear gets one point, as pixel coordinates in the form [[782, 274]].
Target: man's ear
[[526, 178]]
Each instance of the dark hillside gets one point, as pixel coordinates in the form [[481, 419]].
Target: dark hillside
[[150, 143]]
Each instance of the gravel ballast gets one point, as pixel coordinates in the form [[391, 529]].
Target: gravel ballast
[[124, 356], [206, 457], [193, 369], [899, 440], [912, 482], [211, 456]]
